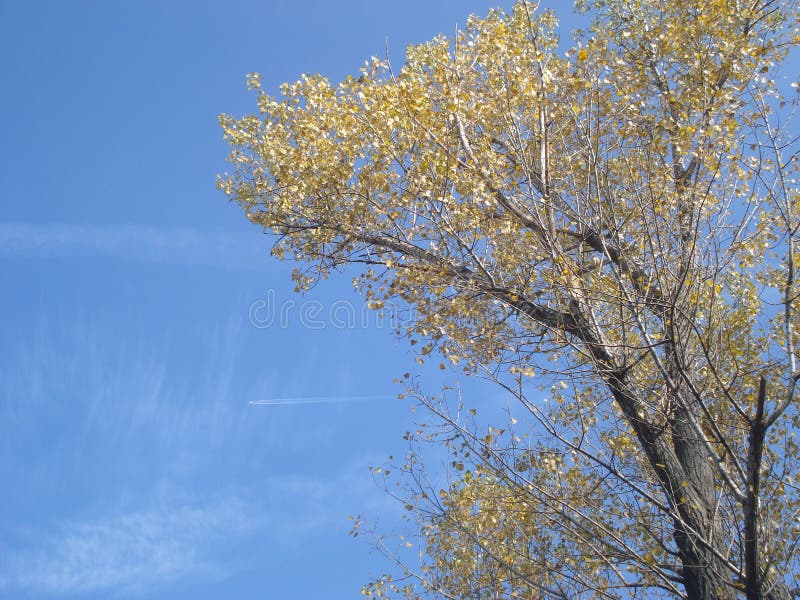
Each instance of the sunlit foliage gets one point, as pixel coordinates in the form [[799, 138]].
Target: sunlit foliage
[[617, 223]]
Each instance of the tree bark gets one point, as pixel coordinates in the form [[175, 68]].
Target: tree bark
[[698, 527]]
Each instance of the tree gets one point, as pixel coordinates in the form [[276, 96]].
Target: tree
[[619, 224]]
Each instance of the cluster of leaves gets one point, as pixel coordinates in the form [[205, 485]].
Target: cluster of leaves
[[620, 222]]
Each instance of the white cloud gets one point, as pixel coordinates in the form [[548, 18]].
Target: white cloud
[[131, 420], [136, 242], [131, 551], [138, 551]]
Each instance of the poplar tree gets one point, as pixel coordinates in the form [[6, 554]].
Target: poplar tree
[[616, 223]]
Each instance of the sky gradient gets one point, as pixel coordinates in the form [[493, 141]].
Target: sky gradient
[[160, 436]]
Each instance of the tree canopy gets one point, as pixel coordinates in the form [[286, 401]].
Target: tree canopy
[[615, 226]]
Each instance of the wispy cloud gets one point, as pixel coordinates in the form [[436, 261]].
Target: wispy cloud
[[134, 242], [126, 413], [130, 551]]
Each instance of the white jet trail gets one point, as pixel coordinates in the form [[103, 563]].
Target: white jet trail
[[315, 400]]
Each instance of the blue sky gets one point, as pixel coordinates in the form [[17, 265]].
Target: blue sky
[[132, 462]]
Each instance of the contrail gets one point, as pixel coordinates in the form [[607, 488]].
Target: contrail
[[315, 400]]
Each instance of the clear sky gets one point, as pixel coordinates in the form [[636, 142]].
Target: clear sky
[[135, 312]]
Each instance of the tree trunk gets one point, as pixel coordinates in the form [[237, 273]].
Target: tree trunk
[[698, 528]]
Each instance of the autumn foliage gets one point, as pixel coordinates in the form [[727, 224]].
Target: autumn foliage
[[614, 226]]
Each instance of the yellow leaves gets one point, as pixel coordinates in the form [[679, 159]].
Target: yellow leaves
[[524, 371], [253, 81], [489, 520], [622, 194], [550, 463]]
